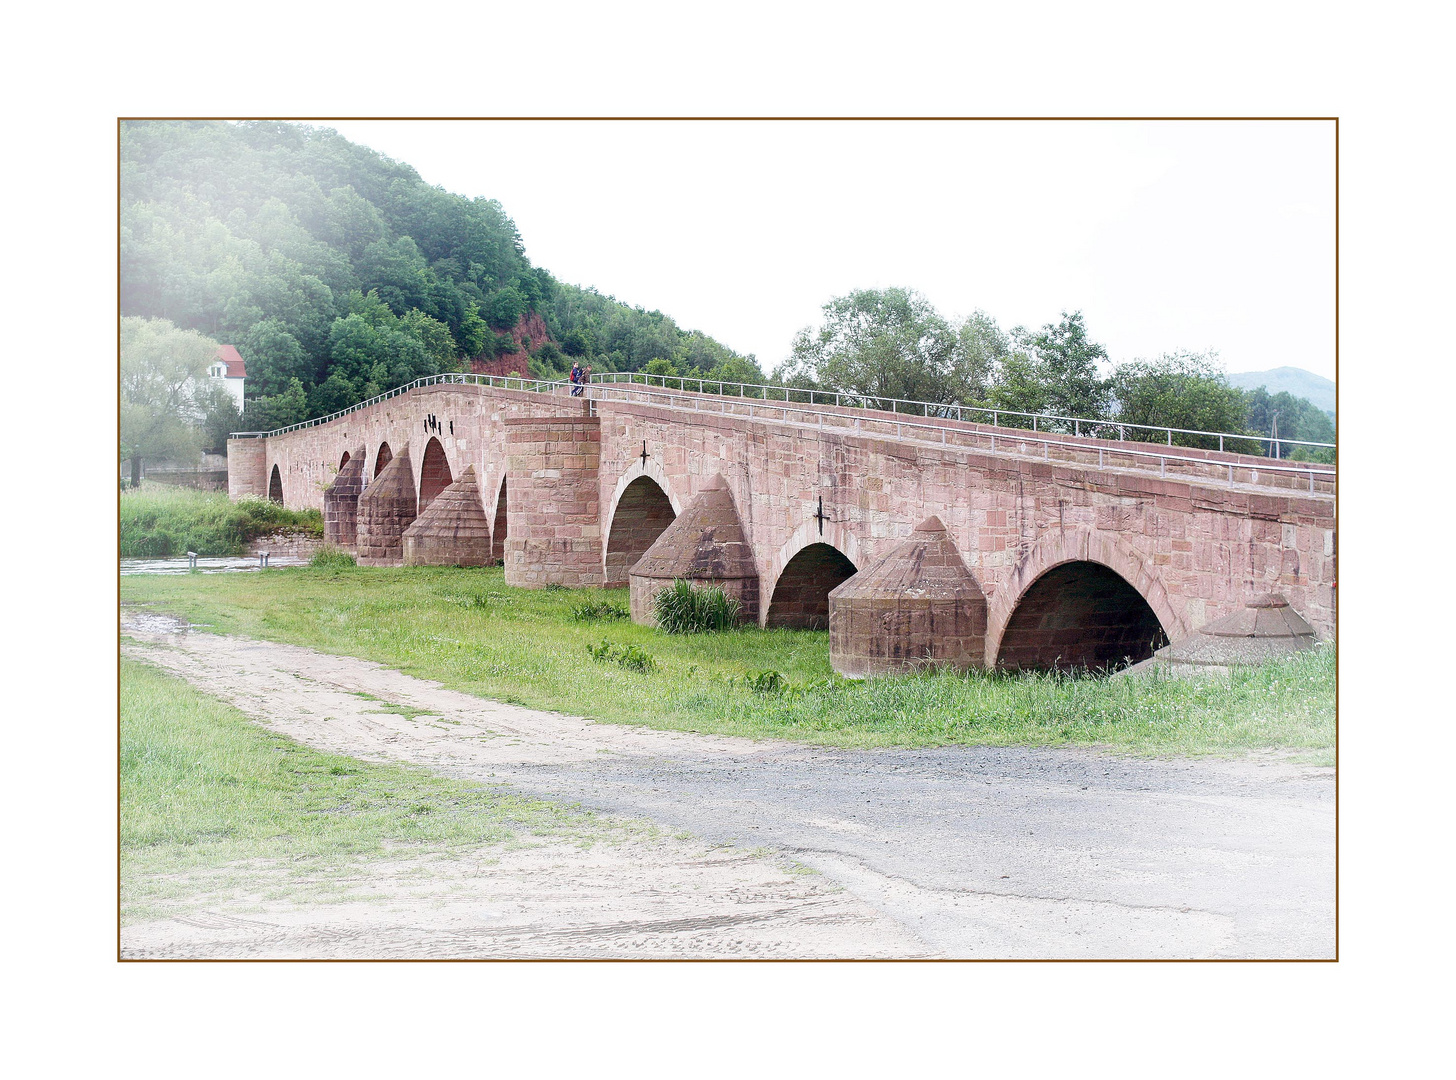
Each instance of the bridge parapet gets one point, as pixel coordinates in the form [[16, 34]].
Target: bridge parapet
[[1167, 459], [1181, 462]]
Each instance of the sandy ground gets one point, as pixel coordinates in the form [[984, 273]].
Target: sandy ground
[[663, 898], [957, 851]]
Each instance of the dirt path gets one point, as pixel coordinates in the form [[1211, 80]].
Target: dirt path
[[630, 896], [954, 851]]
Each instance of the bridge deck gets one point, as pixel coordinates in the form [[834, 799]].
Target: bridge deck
[[1171, 461]]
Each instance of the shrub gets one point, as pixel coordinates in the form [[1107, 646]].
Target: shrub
[[157, 522], [598, 610], [683, 608], [630, 657], [330, 557]]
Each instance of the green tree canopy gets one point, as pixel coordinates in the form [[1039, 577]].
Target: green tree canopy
[[739, 369], [876, 344], [1059, 375], [280, 410], [163, 371], [1180, 390], [1297, 417], [273, 356], [221, 417], [981, 348]]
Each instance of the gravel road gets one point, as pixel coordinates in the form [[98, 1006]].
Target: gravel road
[[1018, 853], [971, 852]]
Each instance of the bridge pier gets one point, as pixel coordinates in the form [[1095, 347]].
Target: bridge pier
[[386, 509], [247, 467], [341, 502], [553, 501]]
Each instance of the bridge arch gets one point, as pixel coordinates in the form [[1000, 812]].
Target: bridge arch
[[499, 523], [641, 508], [343, 461], [804, 571], [382, 457], [275, 485], [1090, 591], [434, 473]]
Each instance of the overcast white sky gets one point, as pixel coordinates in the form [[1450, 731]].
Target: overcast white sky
[[1198, 235]]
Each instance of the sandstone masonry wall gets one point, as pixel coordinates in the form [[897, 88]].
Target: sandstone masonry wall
[[552, 501], [247, 471]]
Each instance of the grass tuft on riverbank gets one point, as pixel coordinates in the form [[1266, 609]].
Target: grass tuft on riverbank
[[158, 521], [209, 797], [470, 631]]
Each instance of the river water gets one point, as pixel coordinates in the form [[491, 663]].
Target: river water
[[218, 565]]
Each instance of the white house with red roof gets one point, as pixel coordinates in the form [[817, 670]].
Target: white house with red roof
[[229, 370]]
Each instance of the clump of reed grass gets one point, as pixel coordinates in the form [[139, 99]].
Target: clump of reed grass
[[685, 608], [330, 557]]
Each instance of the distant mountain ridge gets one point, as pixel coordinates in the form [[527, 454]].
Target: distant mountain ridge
[[1316, 389]]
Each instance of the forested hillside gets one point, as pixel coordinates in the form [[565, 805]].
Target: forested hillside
[[1296, 382], [339, 273]]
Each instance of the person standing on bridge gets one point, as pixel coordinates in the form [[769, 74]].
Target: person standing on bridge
[[575, 378]]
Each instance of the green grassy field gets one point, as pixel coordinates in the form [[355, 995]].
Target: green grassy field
[[158, 520], [211, 803], [470, 631]]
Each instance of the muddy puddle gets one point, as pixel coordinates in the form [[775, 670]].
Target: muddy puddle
[[152, 622]]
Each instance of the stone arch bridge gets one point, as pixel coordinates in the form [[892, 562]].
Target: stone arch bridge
[[1073, 540]]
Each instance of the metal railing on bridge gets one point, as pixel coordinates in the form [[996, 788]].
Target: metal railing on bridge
[[1048, 422], [730, 398]]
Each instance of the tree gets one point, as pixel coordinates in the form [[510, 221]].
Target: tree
[[1180, 390], [505, 308], [981, 347], [279, 411], [740, 369], [1019, 388], [1064, 368], [221, 417], [435, 336], [474, 332], [274, 356], [332, 395], [876, 344], [578, 342], [398, 272], [550, 359], [162, 369], [1298, 419], [375, 352], [661, 367]]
